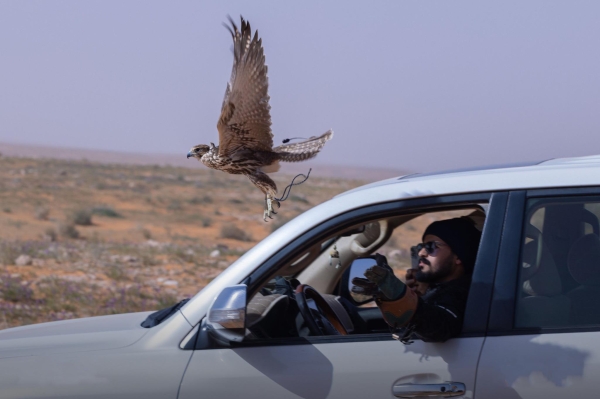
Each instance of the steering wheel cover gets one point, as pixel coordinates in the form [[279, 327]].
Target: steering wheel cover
[[305, 292]]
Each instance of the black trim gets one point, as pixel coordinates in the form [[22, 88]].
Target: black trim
[[564, 191], [505, 283], [480, 293]]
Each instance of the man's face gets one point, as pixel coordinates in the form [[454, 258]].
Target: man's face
[[438, 266]]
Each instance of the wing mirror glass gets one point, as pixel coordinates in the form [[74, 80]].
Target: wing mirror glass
[[227, 315]]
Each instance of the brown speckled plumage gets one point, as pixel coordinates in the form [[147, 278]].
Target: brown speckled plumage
[[245, 137]]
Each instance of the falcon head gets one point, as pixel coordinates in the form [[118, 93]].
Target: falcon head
[[198, 150]]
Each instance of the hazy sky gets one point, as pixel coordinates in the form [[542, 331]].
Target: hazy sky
[[418, 85]]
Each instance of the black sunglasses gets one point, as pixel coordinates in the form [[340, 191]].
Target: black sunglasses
[[430, 246]]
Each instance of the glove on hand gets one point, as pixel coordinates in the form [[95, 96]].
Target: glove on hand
[[380, 281]]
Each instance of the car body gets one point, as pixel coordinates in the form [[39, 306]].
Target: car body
[[530, 327]]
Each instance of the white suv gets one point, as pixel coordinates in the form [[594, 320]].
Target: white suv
[[531, 326]]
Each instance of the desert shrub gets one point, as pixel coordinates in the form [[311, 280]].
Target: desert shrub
[[50, 234], [65, 296], [42, 213], [114, 272], [6, 209], [68, 230], [8, 253], [147, 234], [81, 217], [207, 199], [298, 198], [175, 205], [10, 250], [13, 290], [235, 233], [206, 221], [105, 210]]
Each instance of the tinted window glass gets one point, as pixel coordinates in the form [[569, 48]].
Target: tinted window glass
[[559, 276]]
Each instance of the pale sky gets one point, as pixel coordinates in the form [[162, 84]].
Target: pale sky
[[419, 85]]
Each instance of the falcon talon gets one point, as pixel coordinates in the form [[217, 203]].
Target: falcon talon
[[245, 138]]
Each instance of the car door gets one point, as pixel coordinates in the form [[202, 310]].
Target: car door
[[545, 317], [368, 365]]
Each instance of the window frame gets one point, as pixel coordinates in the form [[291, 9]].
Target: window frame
[[478, 305], [506, 283]]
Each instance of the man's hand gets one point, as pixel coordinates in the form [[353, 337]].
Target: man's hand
[[380, 281]]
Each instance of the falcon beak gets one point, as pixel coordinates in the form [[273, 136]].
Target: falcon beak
[[190, 154]]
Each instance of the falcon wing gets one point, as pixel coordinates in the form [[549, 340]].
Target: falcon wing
[[245, 121]]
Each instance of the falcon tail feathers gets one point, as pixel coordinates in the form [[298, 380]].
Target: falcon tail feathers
[[297, 152]]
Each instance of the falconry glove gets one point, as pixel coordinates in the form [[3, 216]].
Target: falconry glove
[[380, 281], [397, 304]]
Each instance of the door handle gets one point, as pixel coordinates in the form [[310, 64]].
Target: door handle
[[445, 390]]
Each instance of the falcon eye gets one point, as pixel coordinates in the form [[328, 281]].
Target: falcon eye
[[197, 149]]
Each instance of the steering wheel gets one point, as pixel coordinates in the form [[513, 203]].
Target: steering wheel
[[305, 292]]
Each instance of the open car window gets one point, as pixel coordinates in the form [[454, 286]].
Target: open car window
[[273, 313]]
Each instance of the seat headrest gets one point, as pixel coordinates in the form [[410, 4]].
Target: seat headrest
[[584, 260], [539, 278]]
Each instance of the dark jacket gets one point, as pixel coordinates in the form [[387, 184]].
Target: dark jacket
[[441, 311]]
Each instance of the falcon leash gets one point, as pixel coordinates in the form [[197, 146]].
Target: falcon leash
[[288, 190]]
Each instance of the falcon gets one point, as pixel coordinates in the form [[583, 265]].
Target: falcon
[[245, 137]]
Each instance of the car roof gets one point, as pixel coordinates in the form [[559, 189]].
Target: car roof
[[535, 174]]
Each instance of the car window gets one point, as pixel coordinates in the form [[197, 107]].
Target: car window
[[274, 311], [397, 248], [559, 275]]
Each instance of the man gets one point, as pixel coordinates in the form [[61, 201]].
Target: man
[[434, 311]]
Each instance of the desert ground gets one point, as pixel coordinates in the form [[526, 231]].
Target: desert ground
[[84, 238], [81, 238]]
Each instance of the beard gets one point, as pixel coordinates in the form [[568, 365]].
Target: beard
[[431, 277]]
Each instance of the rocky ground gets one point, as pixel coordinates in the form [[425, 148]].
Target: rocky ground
[[80, 238]]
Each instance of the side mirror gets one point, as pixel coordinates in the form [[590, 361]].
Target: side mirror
[[357, 269], [226, 319]]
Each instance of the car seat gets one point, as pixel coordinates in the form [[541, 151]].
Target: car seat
[[584, 266], [543, 303]]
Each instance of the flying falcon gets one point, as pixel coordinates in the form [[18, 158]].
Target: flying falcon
[[245, 137]]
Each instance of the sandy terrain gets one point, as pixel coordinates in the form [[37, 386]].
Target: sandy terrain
[[82, 238]]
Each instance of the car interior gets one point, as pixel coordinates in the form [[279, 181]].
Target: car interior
[[559, 279], [311, 295]]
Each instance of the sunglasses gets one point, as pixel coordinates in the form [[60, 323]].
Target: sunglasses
[[430, 246]]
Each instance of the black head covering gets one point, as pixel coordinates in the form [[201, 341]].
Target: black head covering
[[461, 235]]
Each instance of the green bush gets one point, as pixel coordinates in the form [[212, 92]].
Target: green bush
[[42, 213], [235, 233], [13, 289], [81, 217], [68, 230], [201, 200], [206, 221], [50, 234], [106, 211]]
